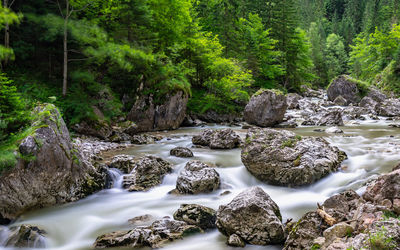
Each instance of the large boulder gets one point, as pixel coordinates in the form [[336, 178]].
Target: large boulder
[[265, 108], [197, 177], [280, 157], [346, 87], [218, 139], [192, 214], [49, 170], [156, 235], [149, 116], [253, 216], [147, 172]]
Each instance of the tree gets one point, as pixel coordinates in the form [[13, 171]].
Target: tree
[[317, 41], [336, 56], [7, 17]]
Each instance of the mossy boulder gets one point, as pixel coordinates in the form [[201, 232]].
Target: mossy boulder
[[350, 89]]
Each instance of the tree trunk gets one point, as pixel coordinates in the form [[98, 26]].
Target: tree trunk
[[6, 33], [65, 68]]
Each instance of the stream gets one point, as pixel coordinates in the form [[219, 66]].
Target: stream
[[372, 148]]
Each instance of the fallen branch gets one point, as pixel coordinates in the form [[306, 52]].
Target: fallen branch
[[324, 215]]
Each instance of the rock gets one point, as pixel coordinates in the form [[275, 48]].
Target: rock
[[197, 215], [149, 116], [142, 139], [25, 236], [119, 137], [139, 220], [212, 116], [287, 124], [49, 171], [339, 230], [390, 108], [340, 101], [334, 130], [280, 157], [225, 139], [234, 240], [292, 100], [346, 87], [333, 117], [125, 163], [387, 186], [342, 206], [308, 92], [265, 109], [217, 139], [376, 95], [308, 228], [181, 152], [156, 235], [253, 216], [197, 177], [371, 105], [148, 172], [99, 129]]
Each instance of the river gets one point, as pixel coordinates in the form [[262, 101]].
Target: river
[[372, 148]]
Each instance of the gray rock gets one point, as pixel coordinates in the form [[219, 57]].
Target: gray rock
[[98, 128], [376, 95], [390, 108], [50, 170], [125, 163], [197, 215], [339, 230], [265, 109], [340, 101], [280, 157], [149, 116], [385, 187], [329, 118], [217, 139], [234, 240], [253, 216], [370, 104], [148, 172], [287, 124], [334, 130], [119, 137], [292, 100], [197, 177], [155, 236], [346, 87], [25, 236], [181, 152]]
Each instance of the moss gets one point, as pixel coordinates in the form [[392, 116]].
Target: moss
[[297, 162], [291, 142], [262, 90], [380, 240], [363, 87], [315, 247]]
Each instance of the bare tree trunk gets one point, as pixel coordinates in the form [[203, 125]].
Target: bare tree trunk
[[65, 68], [6, 34]]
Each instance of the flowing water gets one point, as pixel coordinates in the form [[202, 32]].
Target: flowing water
[[372, 148]]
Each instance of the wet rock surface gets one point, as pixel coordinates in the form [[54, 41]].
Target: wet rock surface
[[147, 172], [197, 177], [265, 109], [125, 163], [280, 157], [253, 216], [346, 87], [197, 215], [218, 139], [156, 235], [23, 236], [181, 152]]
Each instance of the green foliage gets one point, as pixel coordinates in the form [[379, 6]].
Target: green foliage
[[336, 56], [380, 240]]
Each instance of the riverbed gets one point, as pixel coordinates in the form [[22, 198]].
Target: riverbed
[[371, 145]]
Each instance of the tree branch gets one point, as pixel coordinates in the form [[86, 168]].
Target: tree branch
[[59, 8], [80, 59]]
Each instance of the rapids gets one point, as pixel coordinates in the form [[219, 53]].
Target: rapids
[[372, 148]]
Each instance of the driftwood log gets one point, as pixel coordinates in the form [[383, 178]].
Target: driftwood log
[[325, 216]]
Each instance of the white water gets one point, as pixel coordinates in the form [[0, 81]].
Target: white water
[[372, 148]]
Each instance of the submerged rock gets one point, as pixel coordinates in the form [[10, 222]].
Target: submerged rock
[[25, 236], [346, 87], [181, 152], [265, 109], [49, 171], [217, 139], [156, 235], [197, 177], [197, 215], [253, 216], [148, 172], [280, 157]]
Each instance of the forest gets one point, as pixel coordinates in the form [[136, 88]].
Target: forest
[[80, 54]]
